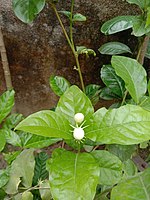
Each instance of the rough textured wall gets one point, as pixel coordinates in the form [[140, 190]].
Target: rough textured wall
[[38, 50]]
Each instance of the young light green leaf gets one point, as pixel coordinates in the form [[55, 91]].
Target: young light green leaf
[[112, 81], [6, 103], [148, 17], [59, 85], [45, 193], [27, 10], [114, 48], [12, 120], [135, 187], [74, 101], [117, 24], [66, 13], [22, 170], [12, 137], [2, 140], [85, 50], [126, 125], [11, 156], [110, 167], [143, 4], [133, 74], [76, 177], [148, 87], [46, 123], [129, 169], [27, 195], [145, 103], [79, 18]]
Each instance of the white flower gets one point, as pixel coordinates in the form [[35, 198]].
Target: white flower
[[78, 133], [79, 117]]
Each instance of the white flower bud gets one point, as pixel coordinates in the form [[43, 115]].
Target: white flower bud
[[78, 133], [79, 117]]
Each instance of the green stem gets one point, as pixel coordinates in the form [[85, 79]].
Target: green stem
[[124, 98], [71, 22], [71, 46]]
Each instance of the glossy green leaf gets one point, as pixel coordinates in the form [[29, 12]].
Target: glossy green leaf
[[22, 171], [145, 103], [114, 48], [46, 123], [4, 177], [12, 120], [126, 125], [117, 24], [112, 81], [29, 140], [40, 172], [148, 17], [107, 94], [2, 140], [133, 74], [59, 85], [136, 187], [72, 102], [12, 137], [6, 103], [139, 26], [85, 50], [27, 195], [79, 18], [45, 193], [110, 167], [93, 91], [143, 4], [75, 178], [27, 10], [123, 152]]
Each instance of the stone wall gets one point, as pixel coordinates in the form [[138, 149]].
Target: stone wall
[[38, 50]]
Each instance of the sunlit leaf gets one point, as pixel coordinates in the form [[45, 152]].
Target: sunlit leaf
[[133, 74], [75, 178], [79, 18]]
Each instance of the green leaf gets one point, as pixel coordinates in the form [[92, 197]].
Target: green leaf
[[113, 48], [11, 156], [29, 140], [79, 18], [2, 140], [136, 187], [139, 26], [6, 103], [75, 178], [72, 102], [129, 169], [27, 10], [59, 85], [40, 172], [45, 193], [110, 167], [126, 125], [66, 13], [117, 24], [85, 50], [147, 55], [141, 3], [112, 81], [4, 177], [12, 120], [107, 94], [148, 17], [22, 171], [46, 123], [145, 102], [133, 74], [123, 152], [93, 91], [12, 137], [27, 195]]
